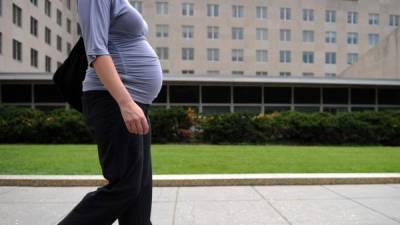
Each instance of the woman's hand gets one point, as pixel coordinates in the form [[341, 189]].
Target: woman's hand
[[134, 117]]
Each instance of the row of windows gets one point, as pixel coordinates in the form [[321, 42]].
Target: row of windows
[[48, 7], [279, 95], [17, 19], [34, 55], [258, 73], [20, 93], [34, 25], [237, 55], [237, 33], [213, 10]]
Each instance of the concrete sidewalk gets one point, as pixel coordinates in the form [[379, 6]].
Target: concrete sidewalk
[[373, 204]]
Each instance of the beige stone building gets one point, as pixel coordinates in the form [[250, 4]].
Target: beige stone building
[[259, 37], [253, 56], [36, 35]]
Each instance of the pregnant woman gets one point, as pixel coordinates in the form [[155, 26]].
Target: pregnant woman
[[123, 77]]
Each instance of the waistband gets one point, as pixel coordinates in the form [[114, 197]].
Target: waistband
[[103, 93]]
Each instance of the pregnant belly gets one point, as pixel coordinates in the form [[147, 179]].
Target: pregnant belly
[[143, 78]]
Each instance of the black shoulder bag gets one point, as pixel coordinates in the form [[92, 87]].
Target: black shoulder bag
[[69, 76]]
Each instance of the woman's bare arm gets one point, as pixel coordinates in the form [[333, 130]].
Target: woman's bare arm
[[133, 115]]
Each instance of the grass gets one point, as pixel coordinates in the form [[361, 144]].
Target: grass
[[199, 159]]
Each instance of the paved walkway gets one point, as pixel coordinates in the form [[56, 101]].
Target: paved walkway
[[375, 204]]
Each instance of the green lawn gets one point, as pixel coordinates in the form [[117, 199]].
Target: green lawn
[[197, 159]]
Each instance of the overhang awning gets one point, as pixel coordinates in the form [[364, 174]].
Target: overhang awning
[[230, 79]]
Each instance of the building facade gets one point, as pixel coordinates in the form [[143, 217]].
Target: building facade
[[226, 56], [36, 35]]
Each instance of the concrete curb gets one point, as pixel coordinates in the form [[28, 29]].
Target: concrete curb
[[209, 179]]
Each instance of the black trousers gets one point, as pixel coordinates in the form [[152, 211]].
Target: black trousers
[[125, 161]]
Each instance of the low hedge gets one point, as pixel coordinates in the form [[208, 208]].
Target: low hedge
[[176, 125]]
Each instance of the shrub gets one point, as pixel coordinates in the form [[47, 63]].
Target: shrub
[[26, 125]]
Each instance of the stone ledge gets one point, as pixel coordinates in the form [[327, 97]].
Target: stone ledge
[[209, 179]]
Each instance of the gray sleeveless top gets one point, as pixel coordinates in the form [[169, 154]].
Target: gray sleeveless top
[[115, 28]]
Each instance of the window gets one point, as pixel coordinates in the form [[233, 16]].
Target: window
[[47, 7], [352, 17], [162, 30], [69, 48], [285, 74], [213, 54], [59, 17], [247, 94], [1, 43], [261, 34], [330, 37], [330, 57], [213, 72], [17, 50], [308, 57], [47, 35], [34, 58], [330, 16], [162, 8], [34, 26], [47, 93], [362, 96], [47, 64], [388, 96], [280, 95], [187, 31], [237, 72], [335, 95], [34, 2], [237, 55], [1, 7], [187, 9], [352, 38], [187, 71], [184, 93], [212, 32], [262, 55], [261, 12], [261, 73], [237, 33], [352, 58], [212, 10], [78, 29], [68, 25], [137, 5], [285, 35], [285, 13], [308, 14], [308, 36], [59, 43], [284, 56], [162, 53], [187, 53], [68, 4], [330, 74], [17, 15], [237, 11], [373, 39], [307, 95], [16, 93], [308, 74], [394, 20], [373, 19], [216, 94]]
